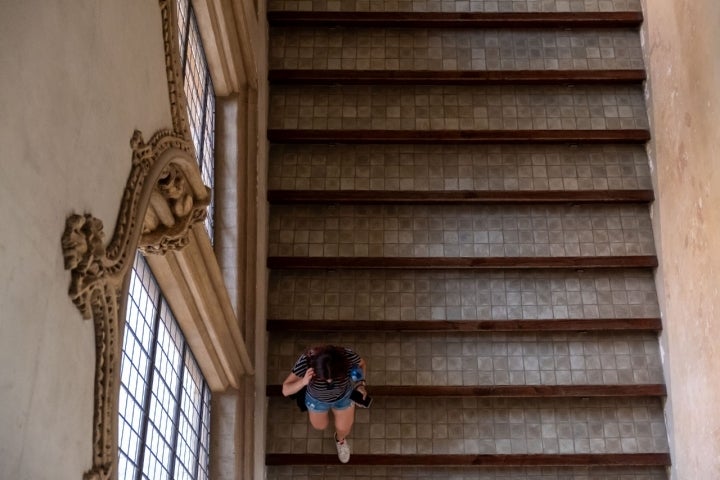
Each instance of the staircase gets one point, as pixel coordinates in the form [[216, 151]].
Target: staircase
[[459, 191]]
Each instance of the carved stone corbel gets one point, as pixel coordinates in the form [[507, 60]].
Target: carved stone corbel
[[163, 199]]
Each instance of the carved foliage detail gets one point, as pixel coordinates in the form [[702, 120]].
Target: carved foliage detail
[[164, 197]]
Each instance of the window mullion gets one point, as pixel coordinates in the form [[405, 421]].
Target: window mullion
[[201, 153], [198, 430], [178, 410], [150, 375]]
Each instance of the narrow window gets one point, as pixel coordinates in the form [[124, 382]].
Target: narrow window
[[200, 96], [164, 399]]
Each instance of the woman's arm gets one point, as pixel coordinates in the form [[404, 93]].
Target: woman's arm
[[361, 386], [294, 384]]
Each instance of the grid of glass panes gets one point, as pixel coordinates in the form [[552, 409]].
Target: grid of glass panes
[[200, 96], [164, 399]]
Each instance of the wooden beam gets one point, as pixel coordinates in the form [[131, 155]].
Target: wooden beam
[[474, 77], [510, 460], [507, 391], [457, 19], [458, 136], [629, 261], [545, 325], [374, 197]]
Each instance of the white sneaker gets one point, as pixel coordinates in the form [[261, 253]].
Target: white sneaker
[[343, 450]]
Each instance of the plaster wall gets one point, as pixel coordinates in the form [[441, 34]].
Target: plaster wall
[[682, 42], [77, 78]]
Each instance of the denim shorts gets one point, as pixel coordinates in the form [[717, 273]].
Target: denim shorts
[[317, 406]]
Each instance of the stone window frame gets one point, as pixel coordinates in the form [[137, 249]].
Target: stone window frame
[[163, 200]]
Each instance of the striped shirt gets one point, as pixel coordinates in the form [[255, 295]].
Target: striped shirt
[[322, 390]]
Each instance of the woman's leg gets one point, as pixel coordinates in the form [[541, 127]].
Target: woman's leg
[[319, 420], [344, 420]]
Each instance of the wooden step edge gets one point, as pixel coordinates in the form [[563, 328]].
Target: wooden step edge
[[629, 19], [508, 391], [375, 197], [629, 261], [457, 136], [474, 77], [509, 460], [545, 325]]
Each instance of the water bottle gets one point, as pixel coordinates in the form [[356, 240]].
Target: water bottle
[[356, 374]]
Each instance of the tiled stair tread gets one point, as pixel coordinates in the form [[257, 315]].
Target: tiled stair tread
[[457, 108], [458, 167], [482, 426], [476, 359], [457, 294], [457, 6], [362, 472], [453, 49], [459, 231]]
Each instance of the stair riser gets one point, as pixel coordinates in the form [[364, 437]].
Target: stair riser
[[452, 167], [453, 49]]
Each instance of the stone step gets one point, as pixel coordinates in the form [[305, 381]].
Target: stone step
[[457, 108], [477, 426], [362, 472], [458, 167], [456, 5], [416, 295], [457, 49], [459, 231], [484, 359]]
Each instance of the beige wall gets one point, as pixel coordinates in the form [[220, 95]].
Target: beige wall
[[683, 54], [76, 77]]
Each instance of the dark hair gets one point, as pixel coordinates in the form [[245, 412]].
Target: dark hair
[[329, 362]]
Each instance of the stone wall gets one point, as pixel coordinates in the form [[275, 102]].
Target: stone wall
[[681, 46], [77, 77]]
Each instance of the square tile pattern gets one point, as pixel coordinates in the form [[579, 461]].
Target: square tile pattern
[[421, 107], [477, 425], [440, 425], [461, 295], [452, 49], [458, 167], [471, 359], [459, 231]]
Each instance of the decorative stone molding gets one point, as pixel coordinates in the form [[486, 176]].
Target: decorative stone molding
[[173, 66], [163, 199]]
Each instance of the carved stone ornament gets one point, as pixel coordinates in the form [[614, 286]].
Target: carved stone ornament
[[163, 199]]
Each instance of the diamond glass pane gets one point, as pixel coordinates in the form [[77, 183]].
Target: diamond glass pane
[[182, 13]]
